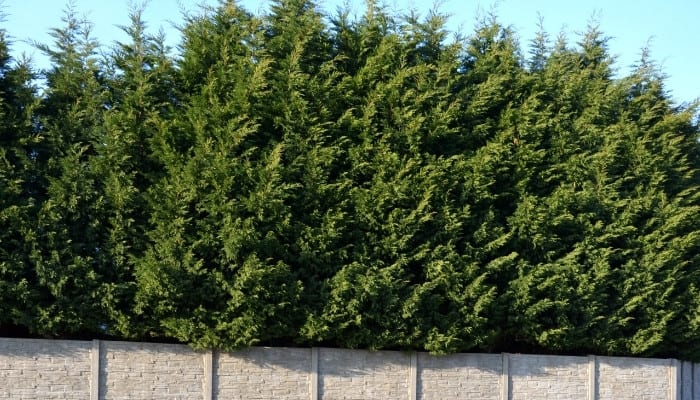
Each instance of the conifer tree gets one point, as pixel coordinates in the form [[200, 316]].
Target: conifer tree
[[298, 112], [214, 274], [657, 188], [67, 251], [142, 97], [22, 188], [561, 292]]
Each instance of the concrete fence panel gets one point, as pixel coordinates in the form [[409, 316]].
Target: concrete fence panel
[[150, 371], [622, 378], [459, 377], [43, 369], [363, 375], [535, 377], [263, 373]]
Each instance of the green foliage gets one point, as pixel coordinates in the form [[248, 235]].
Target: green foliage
[[298, 178], [130, 159], [22, 187], [66, 251]]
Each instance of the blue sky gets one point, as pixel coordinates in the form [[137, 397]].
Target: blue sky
[[669, 27]]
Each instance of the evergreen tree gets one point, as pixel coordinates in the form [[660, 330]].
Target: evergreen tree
[[562, 290], [215, 273], [66, 252], [141, 101], [22, 189], [658, 196]]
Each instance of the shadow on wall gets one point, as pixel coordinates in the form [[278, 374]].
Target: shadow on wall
[[44, 348], [266, 358]]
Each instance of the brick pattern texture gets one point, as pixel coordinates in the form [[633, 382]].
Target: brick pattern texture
[[363, 375], [459, 376], [150, 371], [43, 369], [263, 373], [547, 377], [622, 378]]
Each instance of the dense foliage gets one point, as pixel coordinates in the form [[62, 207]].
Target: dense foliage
[[306, 179]]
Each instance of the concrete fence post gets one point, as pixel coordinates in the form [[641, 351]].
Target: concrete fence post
[[208, 379], [314, 373], [673, 380], [592, 378], [505, 376], [95, 370], [413, 377]]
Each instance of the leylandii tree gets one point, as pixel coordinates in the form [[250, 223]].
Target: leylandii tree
[[296, 113], [658, 196], [22, 188], [560, 295], [404, 282], [215, 273], [141, 99], [67, 251]]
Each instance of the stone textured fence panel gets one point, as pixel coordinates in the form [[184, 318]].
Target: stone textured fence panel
[[149, 371], [460, 377], [363, 375], [263, 373], [547, 377], [53, 369], [43, 369], [654, 378]]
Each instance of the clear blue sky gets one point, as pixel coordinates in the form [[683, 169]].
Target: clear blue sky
[[669, 26]]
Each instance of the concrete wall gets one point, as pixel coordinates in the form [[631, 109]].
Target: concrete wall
[[44, 369]]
